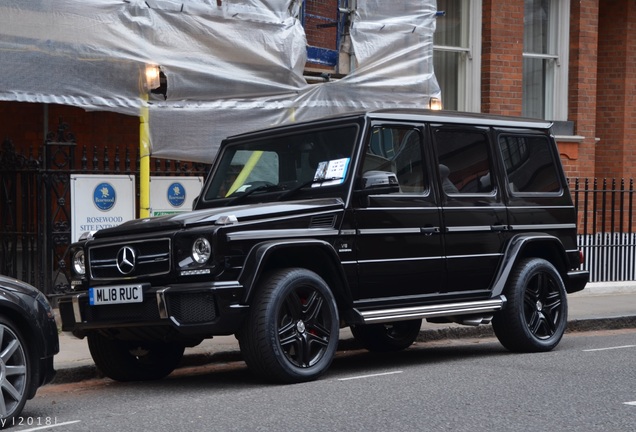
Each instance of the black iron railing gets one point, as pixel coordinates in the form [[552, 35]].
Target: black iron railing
[[35, 201], [606, 227]]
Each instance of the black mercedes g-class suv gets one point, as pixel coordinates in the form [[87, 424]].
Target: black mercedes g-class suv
[[371, 220]]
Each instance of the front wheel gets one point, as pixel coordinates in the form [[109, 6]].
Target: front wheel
[[291, 334], [134, 360], [15, 370], [387, 337], [535, 316]]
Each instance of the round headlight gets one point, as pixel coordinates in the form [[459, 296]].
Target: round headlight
[[201, 250], [78, 262]]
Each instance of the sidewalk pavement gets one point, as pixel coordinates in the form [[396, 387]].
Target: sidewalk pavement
[[600, 306]]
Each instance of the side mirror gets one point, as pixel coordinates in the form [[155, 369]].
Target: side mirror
[[379, 182]]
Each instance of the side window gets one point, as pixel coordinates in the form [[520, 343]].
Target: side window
[[464, 162], [397, 150], [529, 163]]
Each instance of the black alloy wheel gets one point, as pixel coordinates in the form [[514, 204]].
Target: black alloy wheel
[[292, 332], [134, 361], [535, 316]]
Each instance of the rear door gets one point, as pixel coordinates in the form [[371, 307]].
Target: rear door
[[475, 220]]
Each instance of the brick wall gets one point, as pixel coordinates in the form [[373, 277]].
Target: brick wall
[[502, 50], [579, 158], [320, 16], [616, 102], [23, 123]]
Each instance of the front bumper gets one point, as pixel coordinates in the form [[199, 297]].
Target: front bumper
[[195, 310]]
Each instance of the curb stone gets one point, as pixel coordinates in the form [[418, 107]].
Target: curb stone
[[86, 372]]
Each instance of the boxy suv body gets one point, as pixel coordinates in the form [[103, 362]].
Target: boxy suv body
[[372, 220]]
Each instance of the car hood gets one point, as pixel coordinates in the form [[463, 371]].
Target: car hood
[[17, 286], [222, 216]]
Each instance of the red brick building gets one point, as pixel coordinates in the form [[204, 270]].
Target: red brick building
[[491, 56], [569, 61]]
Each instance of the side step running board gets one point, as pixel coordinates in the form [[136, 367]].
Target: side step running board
[[441, 310]]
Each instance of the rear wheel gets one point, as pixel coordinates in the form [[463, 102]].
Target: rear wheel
[[387, 337], [291, 334], [134, 360], [535, 316], [15, 370]]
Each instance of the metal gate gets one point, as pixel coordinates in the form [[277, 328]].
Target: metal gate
[[20, 196], [35, 202]]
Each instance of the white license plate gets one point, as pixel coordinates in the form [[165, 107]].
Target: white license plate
[[116, 294]]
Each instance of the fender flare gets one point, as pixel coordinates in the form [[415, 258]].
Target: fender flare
[[257, 257], [515, 248]]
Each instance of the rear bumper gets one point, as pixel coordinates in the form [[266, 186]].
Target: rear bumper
[[577, 280], [192, 310]]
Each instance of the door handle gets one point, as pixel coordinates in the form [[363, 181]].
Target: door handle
[[429, 230], [499, 227]]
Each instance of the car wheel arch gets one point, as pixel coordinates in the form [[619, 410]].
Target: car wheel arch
[[310, 254], [530, 245]]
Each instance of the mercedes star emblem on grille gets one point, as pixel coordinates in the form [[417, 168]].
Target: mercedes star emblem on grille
[[126, 260]]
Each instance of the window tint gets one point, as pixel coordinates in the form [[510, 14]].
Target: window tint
[[464, 163], [275, 164], [397, 150], [529, 164]]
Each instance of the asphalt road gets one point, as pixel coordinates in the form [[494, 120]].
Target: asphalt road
[[587, 384]]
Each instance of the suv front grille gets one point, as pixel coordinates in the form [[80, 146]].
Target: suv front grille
[[142, 258]]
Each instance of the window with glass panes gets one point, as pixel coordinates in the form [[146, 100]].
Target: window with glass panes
[[456, 56], [545, 56]]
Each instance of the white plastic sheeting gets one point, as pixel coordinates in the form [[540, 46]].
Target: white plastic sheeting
[[231, 66]]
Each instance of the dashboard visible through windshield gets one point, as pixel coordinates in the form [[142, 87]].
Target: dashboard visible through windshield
[[283, 163]]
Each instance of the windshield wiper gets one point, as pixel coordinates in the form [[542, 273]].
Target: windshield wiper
[[249, 192], [295, 189]]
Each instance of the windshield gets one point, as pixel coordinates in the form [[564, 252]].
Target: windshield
[[311, 159]]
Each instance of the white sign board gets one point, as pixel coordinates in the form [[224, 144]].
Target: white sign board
[[170, 195], [100, 201]]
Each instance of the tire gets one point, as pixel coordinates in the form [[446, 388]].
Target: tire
[[535, 316], [388, 337], [134, 361], [15, 370], [291, 334]]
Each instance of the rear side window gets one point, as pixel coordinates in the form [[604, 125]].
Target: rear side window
[[464, 162], [530, 165]]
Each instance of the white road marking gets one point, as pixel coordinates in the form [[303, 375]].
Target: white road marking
[[630, 403], [610, 348], [369, 376], [50, 426]]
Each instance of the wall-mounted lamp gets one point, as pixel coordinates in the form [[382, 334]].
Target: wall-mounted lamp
[[152, 77], [435, 104]]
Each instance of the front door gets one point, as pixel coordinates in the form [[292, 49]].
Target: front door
[[398, 241]]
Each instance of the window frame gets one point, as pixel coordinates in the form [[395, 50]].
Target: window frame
[[469, 75], [556, 92]]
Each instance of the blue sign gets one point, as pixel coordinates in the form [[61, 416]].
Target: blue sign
[[104, 196], [176, 194]]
